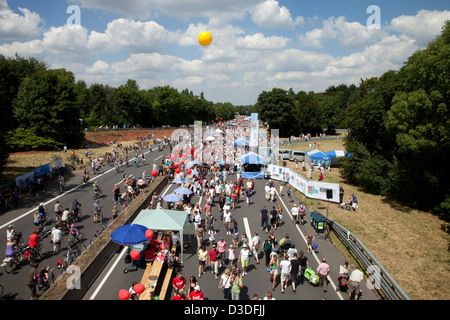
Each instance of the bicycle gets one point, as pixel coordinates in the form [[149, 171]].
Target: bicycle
[[97, 234], [11, 263], [98, 194]]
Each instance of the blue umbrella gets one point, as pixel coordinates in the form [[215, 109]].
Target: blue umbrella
[[194, 172], [129, 234], [183, 190], [181, 180], [190, 164], [173, 198]]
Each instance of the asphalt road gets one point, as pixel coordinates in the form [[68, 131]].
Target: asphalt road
[[14, 284], [256, 281], [112, 279]]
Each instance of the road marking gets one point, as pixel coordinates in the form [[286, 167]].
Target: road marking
[[313, 253], [247, 227], [97, 290]]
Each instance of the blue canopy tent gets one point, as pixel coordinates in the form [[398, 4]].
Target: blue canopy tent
[[335, 155], [252, 163], [318, 158]]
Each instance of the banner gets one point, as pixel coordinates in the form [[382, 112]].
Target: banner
[[310, 188], [254, 131], [43, 170], [22, 178]]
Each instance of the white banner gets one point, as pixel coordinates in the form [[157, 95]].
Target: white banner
[[310, 188]]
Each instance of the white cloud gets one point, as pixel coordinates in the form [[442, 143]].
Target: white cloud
[[349, 34], [258, 41], [18, 27], [423, 27], [270, 14]]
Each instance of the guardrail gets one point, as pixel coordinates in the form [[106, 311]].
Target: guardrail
[[383, 281]]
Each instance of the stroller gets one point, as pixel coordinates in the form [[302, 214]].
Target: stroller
[[343, 282], [311, 276]]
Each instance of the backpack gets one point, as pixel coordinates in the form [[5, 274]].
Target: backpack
[[39, 279]]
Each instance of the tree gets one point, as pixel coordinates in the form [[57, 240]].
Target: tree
[[276, 108], [47, 104], [308, 113]]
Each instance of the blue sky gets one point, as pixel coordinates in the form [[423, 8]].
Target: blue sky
[[257, 44]]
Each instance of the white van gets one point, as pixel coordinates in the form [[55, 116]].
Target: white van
[[299, 155], [285, 154]]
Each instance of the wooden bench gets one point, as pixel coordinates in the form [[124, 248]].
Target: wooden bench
[[151, 275], [167, 279]]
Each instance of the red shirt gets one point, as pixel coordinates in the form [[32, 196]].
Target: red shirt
[[34, 238], [177, 297], [179, 283], [196, 295], [213, 255]]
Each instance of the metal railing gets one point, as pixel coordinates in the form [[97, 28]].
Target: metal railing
[[377, 273]]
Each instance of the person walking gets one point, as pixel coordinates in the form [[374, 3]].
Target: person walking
[[244, 258], [202, 257], [31, 281], [322, 271], [225, 284], [285, 266], [213, 260], [236, 286], [304, 264], [355, 283], [264, 218], [269, 243], [273, 269], [295, 271], [56, 240], [254, 246]]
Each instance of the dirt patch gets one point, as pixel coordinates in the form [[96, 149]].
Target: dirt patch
[[126, 135]]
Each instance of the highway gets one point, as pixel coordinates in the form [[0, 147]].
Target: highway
[[112, 279]]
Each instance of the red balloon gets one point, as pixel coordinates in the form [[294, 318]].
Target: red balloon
[[194, 156], [178, 170], [192, 150], [184, 154], [154, 173], [179, 155], [189, 171], [172, 156], [124, 294], [176, 150], [182, 161], [175, 165], [149, 234], [135, 255], [139, 288]]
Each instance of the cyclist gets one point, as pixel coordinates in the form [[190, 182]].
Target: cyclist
[[34, 240], [97, 210], [136, 160], [11, 249], [73, 236], [42, 211], [58, 210], [85, 174], [96, 188]]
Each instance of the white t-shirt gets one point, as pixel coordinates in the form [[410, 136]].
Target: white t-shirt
[[285, 266], [294, 211], [356, 276], [255, 241], [244, 254], [227, 217], [56, 235]]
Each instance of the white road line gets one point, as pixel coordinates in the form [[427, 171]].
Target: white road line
[[247, 228], [313, 253], [124, 250]]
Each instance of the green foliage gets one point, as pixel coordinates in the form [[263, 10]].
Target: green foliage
[[23, 139], [47, 104]]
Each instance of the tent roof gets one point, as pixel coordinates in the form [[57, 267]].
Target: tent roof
[[162, 219], [336, 153], [317, 154], [252, 158]]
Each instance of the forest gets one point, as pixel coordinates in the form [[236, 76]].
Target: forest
[[399, 130]]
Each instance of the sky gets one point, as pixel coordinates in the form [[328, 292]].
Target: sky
[[257, 44]]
